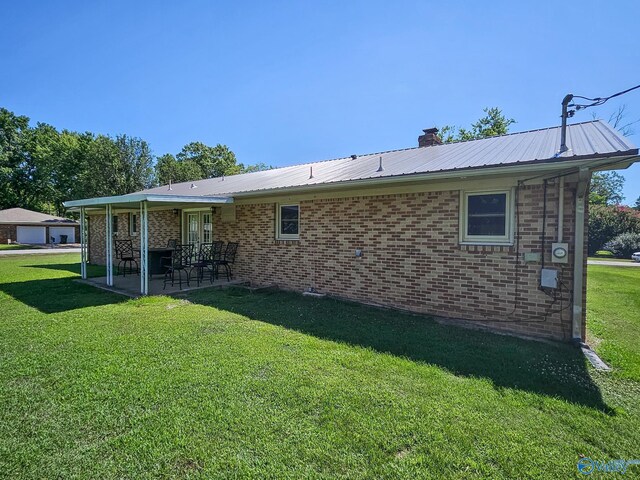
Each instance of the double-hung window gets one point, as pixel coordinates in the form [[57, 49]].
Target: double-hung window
[[133, 224], [486, 217], [288, 222]]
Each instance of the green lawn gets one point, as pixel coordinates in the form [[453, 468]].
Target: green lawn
[[238, 384], [613, 315], [15, 246]]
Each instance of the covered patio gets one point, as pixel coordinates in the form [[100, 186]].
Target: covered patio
[[144, 282], [129, 285]]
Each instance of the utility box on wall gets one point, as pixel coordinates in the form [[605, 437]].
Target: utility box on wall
[[560, 252], [548, 278]]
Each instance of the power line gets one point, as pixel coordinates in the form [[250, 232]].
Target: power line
[[598, 100]]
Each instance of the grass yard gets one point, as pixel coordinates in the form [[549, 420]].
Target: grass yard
[[229, 383], [15, 246], [613, 316]]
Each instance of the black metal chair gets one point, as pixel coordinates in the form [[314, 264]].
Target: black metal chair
[[165, 262], [180, 262], [124, 254], [204, 261], [228, 259]]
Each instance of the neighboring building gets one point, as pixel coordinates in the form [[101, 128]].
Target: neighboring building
[[18, 225], [491, 231]]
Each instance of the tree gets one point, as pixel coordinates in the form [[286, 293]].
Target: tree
[[492, 124], [212, 161], [606, 188], [609, 221], [12, 129], [637, 205], [168, 170]]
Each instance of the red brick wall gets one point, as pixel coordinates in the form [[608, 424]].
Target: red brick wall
[[8, 232], [412, 258], [163, 225]]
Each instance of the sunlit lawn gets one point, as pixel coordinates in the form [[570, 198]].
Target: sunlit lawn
[[228, 383]]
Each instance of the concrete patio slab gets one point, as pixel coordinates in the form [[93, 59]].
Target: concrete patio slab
[[130, 285]]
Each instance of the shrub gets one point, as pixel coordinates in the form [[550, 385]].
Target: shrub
[[624, 244], [609, 221]]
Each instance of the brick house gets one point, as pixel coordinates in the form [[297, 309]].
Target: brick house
[[488, 231], [18, 225]]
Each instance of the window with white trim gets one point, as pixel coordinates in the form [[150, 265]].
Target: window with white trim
[[485, 217], [288, 222], [133, 224]]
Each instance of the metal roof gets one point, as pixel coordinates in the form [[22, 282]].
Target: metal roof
[[594, 139], [21, 216], [588, 139]]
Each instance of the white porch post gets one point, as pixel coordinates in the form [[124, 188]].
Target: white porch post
[[83, 244], [109, 245], [144, 249]]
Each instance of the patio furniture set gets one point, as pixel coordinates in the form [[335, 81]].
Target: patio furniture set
[[177, 258]]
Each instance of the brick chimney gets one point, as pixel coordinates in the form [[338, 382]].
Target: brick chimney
[[429, 138]]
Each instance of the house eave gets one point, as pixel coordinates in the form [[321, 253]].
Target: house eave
[[127, 200]]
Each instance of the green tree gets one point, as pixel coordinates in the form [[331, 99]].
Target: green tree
[[168, 169], [12, 129], [212, 161], [637, 204], [492, 124], [609, 221], [606, 188]]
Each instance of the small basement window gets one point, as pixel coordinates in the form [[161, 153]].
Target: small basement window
[[288, 222], [133, 224], [485, 217]]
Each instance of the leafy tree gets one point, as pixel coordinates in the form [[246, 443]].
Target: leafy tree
[[624, 245], [609, 221], [606, 188], [637, 205], [492, 124], [168, 169], [12, 128], [212, 161]]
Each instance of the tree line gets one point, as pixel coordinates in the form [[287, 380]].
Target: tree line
[[42, 167]]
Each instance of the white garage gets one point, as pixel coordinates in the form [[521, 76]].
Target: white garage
[[26, 226], [70, 232], [31, 234]]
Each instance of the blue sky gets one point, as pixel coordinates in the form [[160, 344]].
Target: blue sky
[[289, 82]]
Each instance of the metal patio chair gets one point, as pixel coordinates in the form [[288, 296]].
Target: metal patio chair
[[124, 255], [204, 261], [228, 259], [180, 262]]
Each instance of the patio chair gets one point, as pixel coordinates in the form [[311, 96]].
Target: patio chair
[[228, 259], [165, 262], [180, 262], [204, 261], [124, 255]]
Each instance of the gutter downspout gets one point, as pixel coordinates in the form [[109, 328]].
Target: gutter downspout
[[584, 177]]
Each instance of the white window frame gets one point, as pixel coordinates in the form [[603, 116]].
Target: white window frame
[[507, 238], [279, 234], [133, 219]]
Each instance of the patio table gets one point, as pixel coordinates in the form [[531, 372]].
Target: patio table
[[155, 259]]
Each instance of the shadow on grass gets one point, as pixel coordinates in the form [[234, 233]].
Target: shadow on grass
[[92, 270], [54, 295], [557, 370]]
